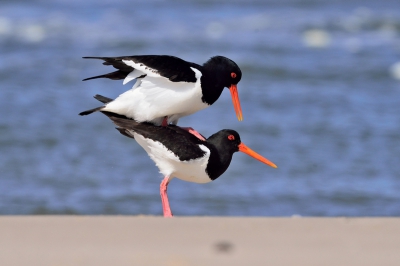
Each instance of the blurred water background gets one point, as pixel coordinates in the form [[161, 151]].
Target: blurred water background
[[320, 95]]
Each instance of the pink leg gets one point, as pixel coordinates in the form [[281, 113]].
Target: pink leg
[[194, 133], [164, 197], [164, 123]]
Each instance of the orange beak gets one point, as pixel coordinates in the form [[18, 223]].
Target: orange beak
[[243, 148], [236, 102]]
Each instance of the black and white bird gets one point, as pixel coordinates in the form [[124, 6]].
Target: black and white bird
[[177, 153], [168, 88]]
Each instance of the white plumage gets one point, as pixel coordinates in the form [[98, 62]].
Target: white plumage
[[153, 96]]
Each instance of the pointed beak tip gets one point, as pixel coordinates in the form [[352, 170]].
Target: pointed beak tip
[[271, 164], [243, 148], [236, 102]]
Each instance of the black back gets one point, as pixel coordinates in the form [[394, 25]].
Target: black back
[[182, 143], [171, 67]]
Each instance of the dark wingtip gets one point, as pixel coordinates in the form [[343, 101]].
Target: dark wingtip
[[88, 112], [96, 77], [84, 113], [92, 57], [116, 75]]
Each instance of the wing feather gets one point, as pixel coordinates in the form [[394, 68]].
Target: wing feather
[[170, 67]]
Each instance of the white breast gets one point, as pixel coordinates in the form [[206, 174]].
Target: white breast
[[170, 165], [154, 97]]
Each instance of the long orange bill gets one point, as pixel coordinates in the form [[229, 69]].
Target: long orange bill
[[243, 148], [236, 102]]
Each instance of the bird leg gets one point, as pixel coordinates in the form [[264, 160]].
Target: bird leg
[[164, 123], [164, 197], [194, 133]]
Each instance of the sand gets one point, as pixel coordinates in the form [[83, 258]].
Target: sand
[[147, 240]]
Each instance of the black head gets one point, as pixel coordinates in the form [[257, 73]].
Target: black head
[[226, 143], [221, 72], [226, 140], [227, 71], [223, 145]]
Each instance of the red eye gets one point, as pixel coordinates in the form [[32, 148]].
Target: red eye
[[233, 75], [231, 137]]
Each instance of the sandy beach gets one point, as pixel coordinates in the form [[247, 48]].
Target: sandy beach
[[146, 240]]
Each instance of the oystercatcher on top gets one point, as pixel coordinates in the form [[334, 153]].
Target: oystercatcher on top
[[178, 153], [168, 88]]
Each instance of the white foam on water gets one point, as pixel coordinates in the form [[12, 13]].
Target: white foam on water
[[316, 38], [5, 26], [395, 70]]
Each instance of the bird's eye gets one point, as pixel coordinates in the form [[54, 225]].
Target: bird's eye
[[231, 137], [233, 75]]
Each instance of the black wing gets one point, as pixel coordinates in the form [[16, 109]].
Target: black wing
[[171, 67], [176, 139]]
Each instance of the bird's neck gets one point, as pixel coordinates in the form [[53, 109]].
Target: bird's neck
[[212, 87], [219, 160]]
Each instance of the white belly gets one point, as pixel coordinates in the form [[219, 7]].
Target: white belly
[[170, 165], [153, 98]]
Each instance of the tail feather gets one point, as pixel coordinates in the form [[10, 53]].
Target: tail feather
[[87, 112], [102, 98]]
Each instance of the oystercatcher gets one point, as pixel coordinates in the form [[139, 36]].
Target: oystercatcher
[[168, 88], [179, 154]]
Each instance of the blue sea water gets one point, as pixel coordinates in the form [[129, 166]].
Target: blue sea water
[[320, 95]]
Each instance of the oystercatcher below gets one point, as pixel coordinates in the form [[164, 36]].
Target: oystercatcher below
[[168, 88], [179, 154]]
